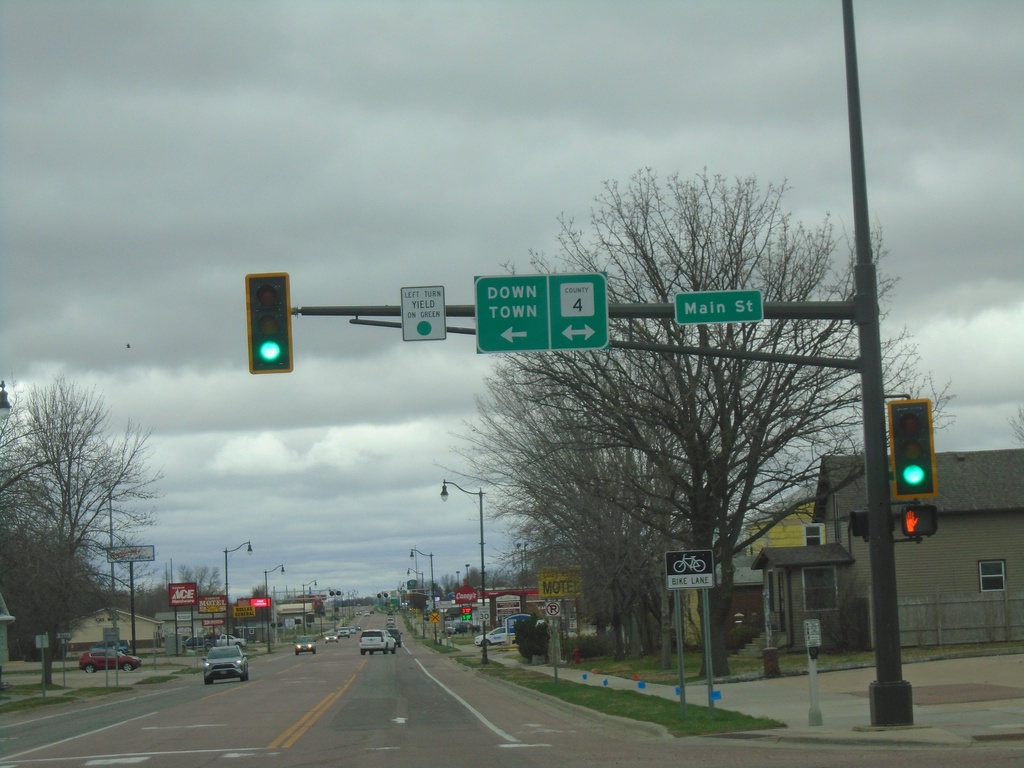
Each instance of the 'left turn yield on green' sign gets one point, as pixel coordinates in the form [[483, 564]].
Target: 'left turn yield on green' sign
[[532, 313]]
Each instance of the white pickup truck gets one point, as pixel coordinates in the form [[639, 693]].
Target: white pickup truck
[[376, 640]]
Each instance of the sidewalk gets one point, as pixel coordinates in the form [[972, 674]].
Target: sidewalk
[[957, 702]]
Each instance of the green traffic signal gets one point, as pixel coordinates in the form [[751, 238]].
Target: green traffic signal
[[912, 454], [913, 474], [270, 351], [268, 310]]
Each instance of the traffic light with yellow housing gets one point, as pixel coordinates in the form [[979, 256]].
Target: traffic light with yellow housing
[[268, 309], [912, 449]]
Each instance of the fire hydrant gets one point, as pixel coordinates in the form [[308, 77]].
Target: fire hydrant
[[576, 654]]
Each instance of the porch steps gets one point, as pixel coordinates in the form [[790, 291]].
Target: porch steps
[[752, 649]]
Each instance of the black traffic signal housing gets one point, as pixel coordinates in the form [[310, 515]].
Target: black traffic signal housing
[[269, 312], [912, 450], [919, 520], [859, 524]]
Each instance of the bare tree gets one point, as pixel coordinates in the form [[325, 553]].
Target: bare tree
[[78, 500], [1017, 425], [722, 440]]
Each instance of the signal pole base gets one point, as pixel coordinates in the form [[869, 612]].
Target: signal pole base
[[892, 703]]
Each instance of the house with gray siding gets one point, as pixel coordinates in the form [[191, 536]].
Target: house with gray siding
[[965, 584]]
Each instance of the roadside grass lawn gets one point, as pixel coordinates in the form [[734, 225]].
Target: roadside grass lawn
[[628, 704]]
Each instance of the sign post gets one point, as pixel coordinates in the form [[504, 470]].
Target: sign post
[[812, 639], [693, 569]]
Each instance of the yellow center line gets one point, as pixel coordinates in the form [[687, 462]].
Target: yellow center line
[[295, 732]]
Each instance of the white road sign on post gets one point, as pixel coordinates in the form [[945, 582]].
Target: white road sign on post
[[690, 570]]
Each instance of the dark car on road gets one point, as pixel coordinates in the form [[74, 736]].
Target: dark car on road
[[108, 658], [225, 662], [395, 633]]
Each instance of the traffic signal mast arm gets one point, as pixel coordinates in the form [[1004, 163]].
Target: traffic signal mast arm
[[780, 310]]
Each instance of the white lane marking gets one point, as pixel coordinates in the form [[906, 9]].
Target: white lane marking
[[512, 740], [72, 738]]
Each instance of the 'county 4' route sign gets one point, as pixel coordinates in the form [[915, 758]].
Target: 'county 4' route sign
[[532, 313]]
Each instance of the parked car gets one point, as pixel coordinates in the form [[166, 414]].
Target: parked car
[[225, 662], [123, 646], [198, 643], [395, 633], [499, 636], [230, 640], [305, 644], [376, 640], [108, 658]]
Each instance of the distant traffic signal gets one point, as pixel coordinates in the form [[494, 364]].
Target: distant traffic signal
[[920, 520], [912, 449], [268, 309]]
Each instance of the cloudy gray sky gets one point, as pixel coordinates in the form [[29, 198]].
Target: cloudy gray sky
[[152, 154]]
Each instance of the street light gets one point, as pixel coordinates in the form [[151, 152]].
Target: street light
[[266, 593], [307, 584], [5, 405], [227, 595], [483, 584], [412, 553]]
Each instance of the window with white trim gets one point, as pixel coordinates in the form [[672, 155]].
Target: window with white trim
[[992, 575], [814, 534]]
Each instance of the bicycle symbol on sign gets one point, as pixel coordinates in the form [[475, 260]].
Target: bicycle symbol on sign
[[689, 563]]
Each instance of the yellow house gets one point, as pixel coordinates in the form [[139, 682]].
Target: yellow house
[[89, 631], [796, 530]]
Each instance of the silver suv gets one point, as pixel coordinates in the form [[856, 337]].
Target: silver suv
[[376, 640], [225, 662]]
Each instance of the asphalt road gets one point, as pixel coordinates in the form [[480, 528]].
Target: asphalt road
[[411, 709]]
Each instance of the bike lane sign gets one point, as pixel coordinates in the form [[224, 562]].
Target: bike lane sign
[[693, 569]]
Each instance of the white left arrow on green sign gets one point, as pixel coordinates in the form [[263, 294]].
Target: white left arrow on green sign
[[531, 313]]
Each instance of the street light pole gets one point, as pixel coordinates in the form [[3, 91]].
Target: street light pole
[[412, 553], [483, 583], [307, 584], [266, 594], [227, 595]]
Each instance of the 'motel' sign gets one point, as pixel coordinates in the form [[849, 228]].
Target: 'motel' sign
[[183, 594]]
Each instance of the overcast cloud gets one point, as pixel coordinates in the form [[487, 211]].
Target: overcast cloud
[[152, 154]]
